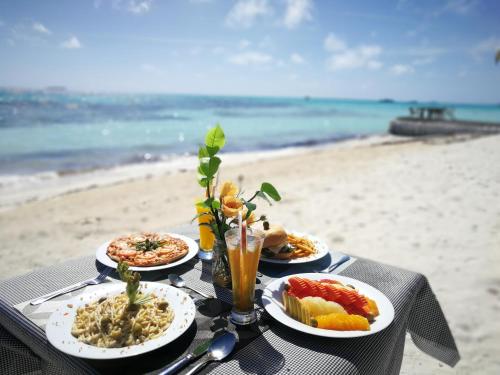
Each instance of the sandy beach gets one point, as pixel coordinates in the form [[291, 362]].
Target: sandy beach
[[432, 206]]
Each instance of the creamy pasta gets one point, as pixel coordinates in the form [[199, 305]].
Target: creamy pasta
[[112, 323]]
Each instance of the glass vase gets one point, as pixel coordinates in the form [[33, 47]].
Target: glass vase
[[221, 274]]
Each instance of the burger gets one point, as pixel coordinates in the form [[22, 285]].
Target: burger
[[275, 242]]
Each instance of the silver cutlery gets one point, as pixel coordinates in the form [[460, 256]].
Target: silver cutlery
[[97, 280], [217, 351], [179, 282], [181, 362], [335, 265]]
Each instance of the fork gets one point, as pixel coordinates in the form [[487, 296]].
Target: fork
[[97, 280], [342, 260]]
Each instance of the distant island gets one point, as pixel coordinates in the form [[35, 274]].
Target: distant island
[[55, 89], [386, 100]]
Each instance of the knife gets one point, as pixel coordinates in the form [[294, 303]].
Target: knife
[[183, 361]]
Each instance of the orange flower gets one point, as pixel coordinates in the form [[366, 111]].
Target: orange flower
[[228, 189], [232, 205]]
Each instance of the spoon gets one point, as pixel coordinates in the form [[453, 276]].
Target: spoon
[[217, 351], [179, 282]]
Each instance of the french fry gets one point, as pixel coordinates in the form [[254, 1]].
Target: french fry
[[302, 247]]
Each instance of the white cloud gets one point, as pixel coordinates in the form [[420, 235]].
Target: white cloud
[[374, 65], [71, 43], [459, 7], [365, 56], [423, 61], [244, 13], [333, 43], [131, 6], [244, 44], [150, 68], [38, 27], [296, 58], [297, 11], [195, 51], [218, 50], [251, 58], [139, 6], [400, 69]]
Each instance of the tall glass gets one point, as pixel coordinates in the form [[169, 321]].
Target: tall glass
[[243, 262], [207, 238]]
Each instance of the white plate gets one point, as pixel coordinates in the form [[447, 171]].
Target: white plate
[[321, 251], [58, 328], [103, 257], [272, 300]]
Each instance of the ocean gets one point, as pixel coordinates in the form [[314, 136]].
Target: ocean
[[65, 133]]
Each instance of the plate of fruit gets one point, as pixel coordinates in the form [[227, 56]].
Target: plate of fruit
[[328, 305]]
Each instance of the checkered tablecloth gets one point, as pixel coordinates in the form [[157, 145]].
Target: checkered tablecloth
[[272, 348]]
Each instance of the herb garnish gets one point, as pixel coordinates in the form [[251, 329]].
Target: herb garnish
[[133, 281], [148, 245]]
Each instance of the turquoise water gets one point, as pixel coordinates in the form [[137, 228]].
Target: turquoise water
[[69, 132]]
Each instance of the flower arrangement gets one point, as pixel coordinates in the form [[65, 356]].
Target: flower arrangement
[[224, 209]]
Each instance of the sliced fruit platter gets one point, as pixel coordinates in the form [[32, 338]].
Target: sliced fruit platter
[[328, 305]]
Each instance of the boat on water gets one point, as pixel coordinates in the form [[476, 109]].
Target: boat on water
[[424, 121]]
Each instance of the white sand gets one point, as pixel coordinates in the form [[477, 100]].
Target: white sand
[[428, 206]]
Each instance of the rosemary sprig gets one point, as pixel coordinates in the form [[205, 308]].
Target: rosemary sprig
[[133, 282], [148, 245]]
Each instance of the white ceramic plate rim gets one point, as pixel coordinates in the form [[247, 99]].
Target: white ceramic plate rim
[[271, 298], [58, 328], [103, 257], [320, 246]]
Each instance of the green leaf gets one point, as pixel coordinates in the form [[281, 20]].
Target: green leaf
[[271, 191], [216, 204], [215, 229], [212, 150], [215, 137], [251, 206], [204, 167], [203, 152], [203, 182], [213, 166], [260, 194]]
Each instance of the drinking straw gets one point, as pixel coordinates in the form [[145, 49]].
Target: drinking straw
[[242, 232]]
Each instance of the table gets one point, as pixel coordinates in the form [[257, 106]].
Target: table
[[275, 349]]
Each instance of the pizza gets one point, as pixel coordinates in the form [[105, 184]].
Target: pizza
[[147, 249]]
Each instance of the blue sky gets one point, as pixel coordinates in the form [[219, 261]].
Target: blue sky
[[402, 49]]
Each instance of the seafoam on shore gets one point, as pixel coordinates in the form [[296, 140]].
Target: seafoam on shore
[[19, 189]]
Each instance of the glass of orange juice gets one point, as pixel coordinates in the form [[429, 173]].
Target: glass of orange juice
[[243, 261], [207, 237]]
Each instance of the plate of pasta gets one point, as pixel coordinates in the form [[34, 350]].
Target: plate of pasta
[[328, 305], [103, 324]]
